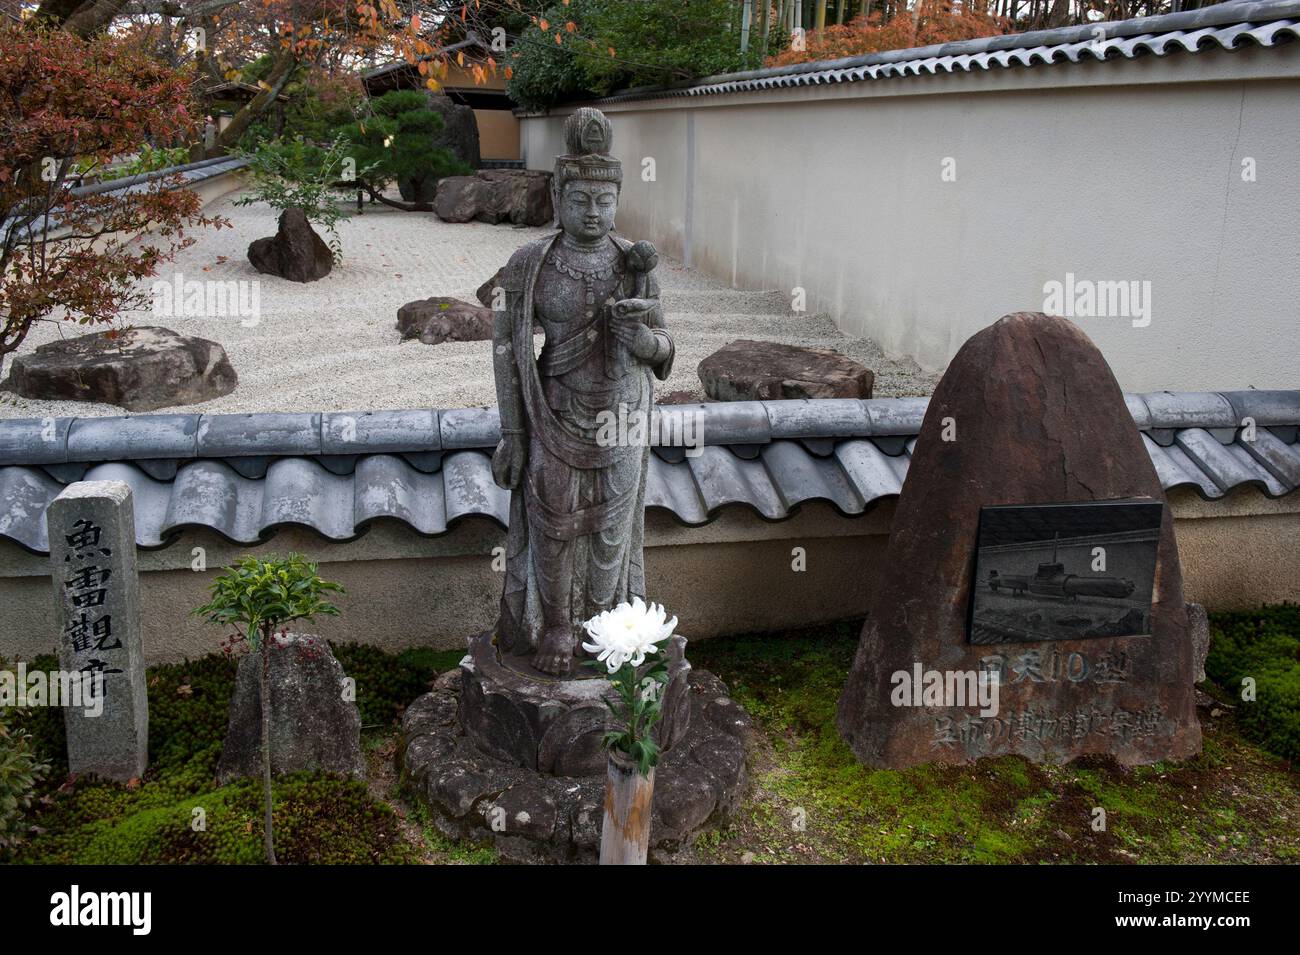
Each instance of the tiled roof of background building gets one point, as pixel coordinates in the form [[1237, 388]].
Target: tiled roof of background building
[[1225, 26], [245, 476]]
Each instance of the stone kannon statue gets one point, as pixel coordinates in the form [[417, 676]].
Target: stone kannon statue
[[577, 511]]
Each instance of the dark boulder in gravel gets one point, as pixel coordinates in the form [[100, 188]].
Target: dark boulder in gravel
[[518, 196], [437, 320], [748, 370], [295, 252]]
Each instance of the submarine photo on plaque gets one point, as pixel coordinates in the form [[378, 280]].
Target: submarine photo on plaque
[[1064, 571]]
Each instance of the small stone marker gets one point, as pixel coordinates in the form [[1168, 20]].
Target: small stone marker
[[1028, 413], [97, 611], [315, 722]]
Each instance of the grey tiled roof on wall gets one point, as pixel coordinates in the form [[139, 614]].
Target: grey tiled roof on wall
[[247, 475], [185, 176], [1226, 26]]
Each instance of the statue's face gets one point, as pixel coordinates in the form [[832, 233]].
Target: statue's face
[[587, 208]]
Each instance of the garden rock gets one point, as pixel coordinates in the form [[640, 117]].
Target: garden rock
[[295, 252], [1039, 419], [139, 369], [485, 291], [518, 196], [457, 198], [418, 189], [749, 370], [437, 320], [312, 726], [459, 133]]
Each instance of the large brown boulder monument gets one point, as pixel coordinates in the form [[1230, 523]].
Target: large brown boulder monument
[[1028, 413]]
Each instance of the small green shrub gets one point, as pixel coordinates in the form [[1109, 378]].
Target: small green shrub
[[21, 770], [149, 159], [1263, 645], [45, 726], [393, 142], [297, 174], [258, 596]]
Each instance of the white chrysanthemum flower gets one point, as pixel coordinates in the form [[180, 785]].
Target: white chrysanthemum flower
[[628, 633]]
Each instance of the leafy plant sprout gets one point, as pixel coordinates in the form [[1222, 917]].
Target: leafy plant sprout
[[626, 641], [259, 596], [296, 174]]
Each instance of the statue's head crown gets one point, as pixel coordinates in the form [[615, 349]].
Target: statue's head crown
[[588, 137], [587, 132]]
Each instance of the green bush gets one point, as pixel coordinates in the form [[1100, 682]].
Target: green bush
[[655, 43], [21, 770], [1263, 645], [393, 142], [298, 174], [315, 102], [45, 726], [149, 159], [544, 73]]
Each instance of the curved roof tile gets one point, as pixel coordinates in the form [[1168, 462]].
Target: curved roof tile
[[249, 475]]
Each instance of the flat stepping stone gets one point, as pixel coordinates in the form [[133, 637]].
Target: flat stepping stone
[[139, 369], [748, 370]]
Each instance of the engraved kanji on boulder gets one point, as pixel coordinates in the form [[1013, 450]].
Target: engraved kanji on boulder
[[1027, 413]]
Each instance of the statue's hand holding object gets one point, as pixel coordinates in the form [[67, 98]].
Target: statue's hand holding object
[[629, 323]]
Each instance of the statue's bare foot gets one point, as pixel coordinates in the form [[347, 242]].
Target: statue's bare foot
[[554, 652]]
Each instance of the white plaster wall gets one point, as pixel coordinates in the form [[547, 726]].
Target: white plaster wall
[[1111, 171]]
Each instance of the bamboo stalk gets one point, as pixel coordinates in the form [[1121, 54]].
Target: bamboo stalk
[[629, 796]]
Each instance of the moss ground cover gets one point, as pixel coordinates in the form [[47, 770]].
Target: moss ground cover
[[809, 801]]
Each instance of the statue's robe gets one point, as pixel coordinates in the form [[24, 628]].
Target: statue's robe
[[577, 522]]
